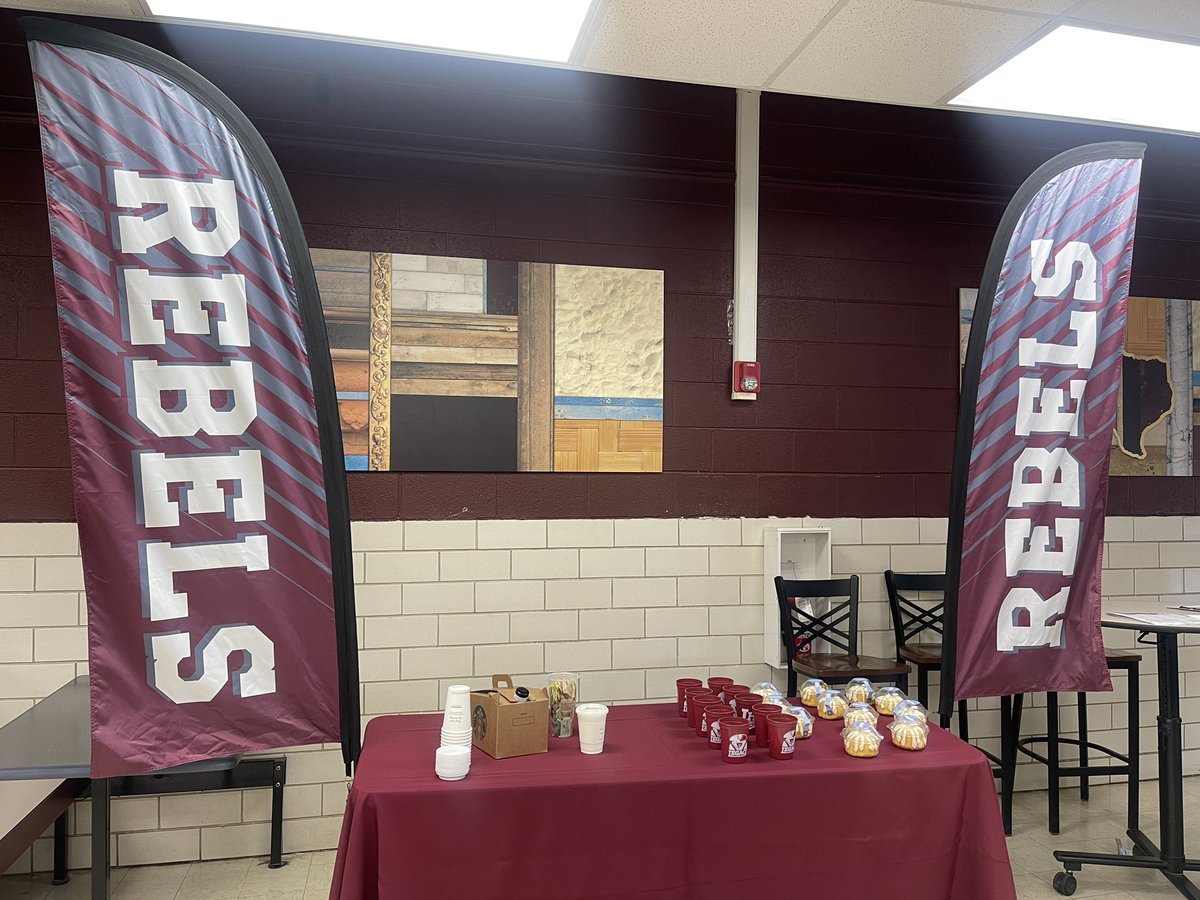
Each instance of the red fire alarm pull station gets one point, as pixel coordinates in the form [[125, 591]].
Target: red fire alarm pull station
[[747, 377]]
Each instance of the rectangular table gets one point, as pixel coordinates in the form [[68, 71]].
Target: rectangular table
[[658, 814], [52, 740]]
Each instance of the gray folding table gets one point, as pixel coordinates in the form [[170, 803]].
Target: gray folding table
[[52, 740]]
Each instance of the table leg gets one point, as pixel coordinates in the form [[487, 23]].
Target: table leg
[[1170, 754], [1052, 776], [1010, 733], [61, 875], [100, 832], [277, 816], [1134, 701]]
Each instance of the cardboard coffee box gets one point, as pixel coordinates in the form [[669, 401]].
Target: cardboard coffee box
[[502, 726]]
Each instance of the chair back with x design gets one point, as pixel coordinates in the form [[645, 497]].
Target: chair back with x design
[[837, 625], [911, 618]]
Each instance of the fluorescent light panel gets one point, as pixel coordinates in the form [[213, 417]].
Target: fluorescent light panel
[[543, 30], [1081, 73]]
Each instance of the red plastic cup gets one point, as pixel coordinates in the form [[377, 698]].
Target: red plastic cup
[[742, 704], [761, 711], [701, 706], [680, 684], [781, 736], [713, 715], [690, 694], [735, 740], [732, 690], [717, 683]]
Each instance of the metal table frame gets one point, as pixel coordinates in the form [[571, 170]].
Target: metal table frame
[[1170, 859], [53, 740]]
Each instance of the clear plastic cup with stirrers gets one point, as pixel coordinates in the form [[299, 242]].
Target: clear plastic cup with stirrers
[[563, 689]]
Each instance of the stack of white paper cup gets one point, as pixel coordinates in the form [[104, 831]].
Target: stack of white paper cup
[[453, 763], [456, 721], [592, 718]]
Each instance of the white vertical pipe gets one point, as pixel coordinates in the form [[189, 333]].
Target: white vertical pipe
[[745, 235], [1179, 369]]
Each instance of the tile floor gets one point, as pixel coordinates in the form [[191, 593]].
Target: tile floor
[[305, 877], [1091, 826]]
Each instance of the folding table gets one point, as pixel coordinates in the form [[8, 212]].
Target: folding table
[[52, 740], [658, 814]]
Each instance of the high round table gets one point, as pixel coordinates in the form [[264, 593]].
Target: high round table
[[1170, 858]]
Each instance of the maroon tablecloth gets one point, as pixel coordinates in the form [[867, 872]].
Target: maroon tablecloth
[[659, 815]]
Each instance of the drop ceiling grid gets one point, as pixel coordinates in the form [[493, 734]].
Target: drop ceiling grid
[[915, 52]]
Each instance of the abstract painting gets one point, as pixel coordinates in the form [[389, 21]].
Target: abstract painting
[[452, 364]]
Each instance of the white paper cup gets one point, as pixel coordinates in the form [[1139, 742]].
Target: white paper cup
[[457, 716], [456, 740], [592, 718], [452, 763]]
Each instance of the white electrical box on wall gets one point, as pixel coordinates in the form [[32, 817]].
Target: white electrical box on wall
[[794, 553]]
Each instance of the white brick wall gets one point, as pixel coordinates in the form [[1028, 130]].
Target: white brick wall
[[631, 604]]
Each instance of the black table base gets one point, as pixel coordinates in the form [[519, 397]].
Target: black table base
[[247, 773], [1169, 859]]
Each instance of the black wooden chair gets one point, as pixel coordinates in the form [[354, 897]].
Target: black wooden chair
[[918, 627], [838, 625]]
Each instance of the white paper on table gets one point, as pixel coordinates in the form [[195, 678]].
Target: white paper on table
[[1172, 619]]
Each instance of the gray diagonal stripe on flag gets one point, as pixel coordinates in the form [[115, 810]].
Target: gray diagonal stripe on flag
[[103, 421], [96, 376]]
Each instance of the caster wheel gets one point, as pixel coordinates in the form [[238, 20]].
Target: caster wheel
[[1065, 884]]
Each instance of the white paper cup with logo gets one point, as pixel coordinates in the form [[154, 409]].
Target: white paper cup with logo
[[457, 716], [592, 719]]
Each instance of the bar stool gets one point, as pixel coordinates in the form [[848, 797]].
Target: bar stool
[[1128, 763], [914, 625]]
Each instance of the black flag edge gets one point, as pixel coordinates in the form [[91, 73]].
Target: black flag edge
[[308, 299], [969, 392]]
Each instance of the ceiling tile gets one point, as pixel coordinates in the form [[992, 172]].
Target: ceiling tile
[[1170, 18], [1045, 7], [712, 41], [903, 51]]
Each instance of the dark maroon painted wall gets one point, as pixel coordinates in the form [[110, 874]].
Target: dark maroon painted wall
[[872, 218]]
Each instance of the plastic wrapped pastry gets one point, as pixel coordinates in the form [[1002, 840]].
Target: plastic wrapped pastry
[[909, 733], [859, 690], [887, 698], [861, 740], [765, 689], [861, 712], [804, 722], [810, 690], [831, 704], [911, 708]]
